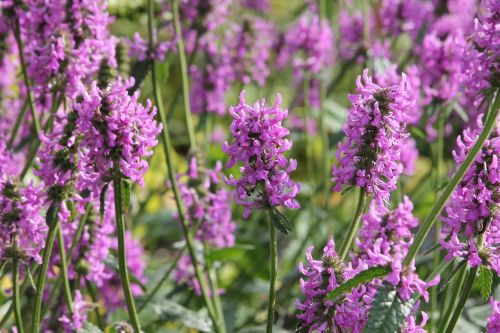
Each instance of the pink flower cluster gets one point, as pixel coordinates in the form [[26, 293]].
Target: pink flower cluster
[[472, 211], [208, 210], [259, 143], [383, 241], [370, 157]]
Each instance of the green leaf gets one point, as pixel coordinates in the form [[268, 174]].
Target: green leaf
[[415, 131], [51, 216], [389, 312], [362, 278], [125, 194], [104, 190], [485, 281], [168, 311], [280, 221], [234, 253], [89, 328]]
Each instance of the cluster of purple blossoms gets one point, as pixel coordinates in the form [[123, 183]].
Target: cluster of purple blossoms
[[351, 27], [75, 321], [493, 324], [480, 60], [384, 240], [20, 208], [139, 48], [208, 210], [472, 211], [259, 143], [350, 313], [308, 45], [370, 157], [115, 128]]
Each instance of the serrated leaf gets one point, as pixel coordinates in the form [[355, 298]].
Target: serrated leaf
[[89, 328], [280, 221], [166, 310], [362, 278], [125, 194], [485, 281], [102, 200], [388, 312], [51, 215]]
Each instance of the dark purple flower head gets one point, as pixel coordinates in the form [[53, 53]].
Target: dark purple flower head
[[115, 127], [472, 211], [259, 144], [370, 157]]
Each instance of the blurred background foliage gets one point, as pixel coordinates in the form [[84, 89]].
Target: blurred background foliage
[[244, 269]]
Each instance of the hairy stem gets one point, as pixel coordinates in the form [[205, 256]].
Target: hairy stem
[[273, 268], [463, 298], [354, 226], [122, 255], [42, 277], [184, 73], [64, 269], [31, 99], [15, 287], [457, 285], [173, 180], [491, 119]]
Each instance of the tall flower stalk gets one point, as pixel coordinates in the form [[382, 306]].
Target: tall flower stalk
[[166, 143]]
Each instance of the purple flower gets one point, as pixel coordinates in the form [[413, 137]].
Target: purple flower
[[308, 45], [115, 128], [370, 157], [384, 240], [208, 209], [259, 143], [346, 314], [472, 209], [493, 324], [20, 208], [76, 320], [351, 28]]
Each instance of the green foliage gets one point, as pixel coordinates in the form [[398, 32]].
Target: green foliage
[[485, 281], [388, 312], [362, 278]]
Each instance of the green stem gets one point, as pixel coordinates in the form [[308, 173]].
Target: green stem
[[429, 221], [173, 180], [64, 269], [55, 290], [42, 277], [457, 286], [122, 255], [184, 73], [215, 293], [31, 99], [354, 226], [17, 124], [463, 298], [307, 114], [273, 267], [93, 296], [15, 289]]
